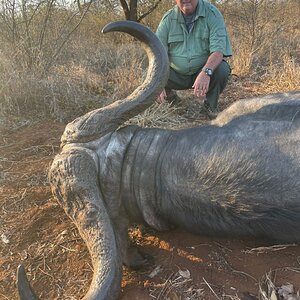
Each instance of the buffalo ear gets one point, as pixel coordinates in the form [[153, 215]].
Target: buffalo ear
[[24, 289]]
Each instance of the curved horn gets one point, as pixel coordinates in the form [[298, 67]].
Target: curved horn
[[83, 203], [74, 182], [101, 121]]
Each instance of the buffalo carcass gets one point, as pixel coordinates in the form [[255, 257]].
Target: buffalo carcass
[[238, 176]]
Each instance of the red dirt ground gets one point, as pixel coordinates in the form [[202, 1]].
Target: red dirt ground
[[35, 231]]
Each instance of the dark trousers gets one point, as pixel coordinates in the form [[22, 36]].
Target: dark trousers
[[217, 84]]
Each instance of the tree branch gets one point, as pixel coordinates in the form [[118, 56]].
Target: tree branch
[[151, 9], [125, 9]]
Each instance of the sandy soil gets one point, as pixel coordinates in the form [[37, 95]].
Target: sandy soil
[[35, 231]]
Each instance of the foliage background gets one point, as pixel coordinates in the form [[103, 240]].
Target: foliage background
[[55, 63]]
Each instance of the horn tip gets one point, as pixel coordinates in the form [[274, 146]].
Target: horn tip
[[20, 271], [109, 27], [23, 285]]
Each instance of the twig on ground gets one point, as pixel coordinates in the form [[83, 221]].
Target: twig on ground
[[244, 273], [211, 288], [260, 250]]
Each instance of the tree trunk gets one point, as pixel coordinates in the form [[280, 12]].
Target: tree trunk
[[133, 10], [125, 9], [130, 9]]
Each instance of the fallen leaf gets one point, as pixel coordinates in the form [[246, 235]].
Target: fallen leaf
[[185, 274]]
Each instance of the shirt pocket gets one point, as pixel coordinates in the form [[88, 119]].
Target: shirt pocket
[[202, 38], [175, 43]]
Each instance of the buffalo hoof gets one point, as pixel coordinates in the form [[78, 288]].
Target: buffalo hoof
[[136, 259]]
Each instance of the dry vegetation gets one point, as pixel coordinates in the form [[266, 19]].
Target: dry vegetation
[[55, 65], [50, 70]]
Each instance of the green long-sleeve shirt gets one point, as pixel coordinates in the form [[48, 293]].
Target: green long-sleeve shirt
[[189, 51]]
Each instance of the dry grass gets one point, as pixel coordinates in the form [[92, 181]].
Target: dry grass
[[71, 89], [284, 76], [94, 70], [164, 116]]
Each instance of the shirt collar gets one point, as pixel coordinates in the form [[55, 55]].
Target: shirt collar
[[200, 12]]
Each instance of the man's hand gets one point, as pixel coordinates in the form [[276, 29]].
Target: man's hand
[[201, 84], [202, 81], [162, 97]]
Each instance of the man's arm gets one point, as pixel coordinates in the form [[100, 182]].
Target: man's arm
[[219, 48], [162, 33], [202, 81]]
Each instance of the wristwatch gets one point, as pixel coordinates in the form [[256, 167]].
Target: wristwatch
[[208, 71]]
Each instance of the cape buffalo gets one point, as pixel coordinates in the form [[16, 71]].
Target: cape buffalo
[[238, 176]]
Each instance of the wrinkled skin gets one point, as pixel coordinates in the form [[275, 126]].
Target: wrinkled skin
[[239, 176]]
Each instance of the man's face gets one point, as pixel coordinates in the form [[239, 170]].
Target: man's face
[[187, 6]]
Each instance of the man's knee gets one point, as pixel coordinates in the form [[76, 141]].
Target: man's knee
[[178, 81], [222, 72]]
